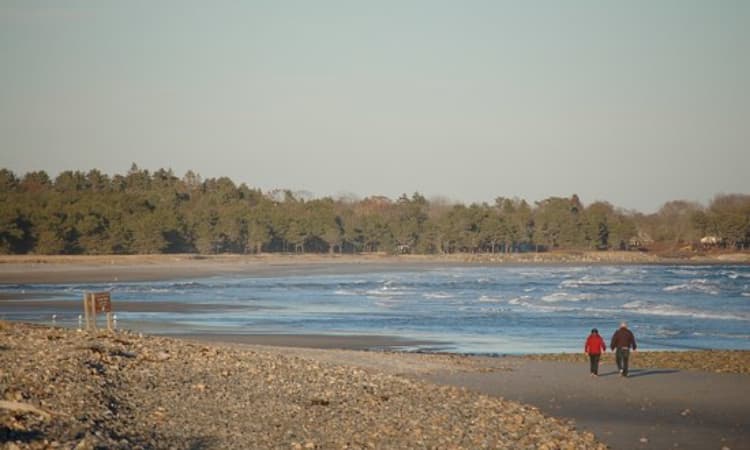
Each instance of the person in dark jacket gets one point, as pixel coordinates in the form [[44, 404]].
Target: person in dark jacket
[[594, 347], [622, 341]]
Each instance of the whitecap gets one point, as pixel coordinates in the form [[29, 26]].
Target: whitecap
[[436, 295], [519, 300], [345, 292], [683, 271], [633, 305], [492, 310], [668, 332], [698, 285], [565, 297], [549, 308], [385, 291], [668, 310], [587, 281], [385, 303], [723, 335], [489, 299], [734, 274]]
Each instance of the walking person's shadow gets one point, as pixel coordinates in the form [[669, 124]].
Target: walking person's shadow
[[646, 372], [634, 373]]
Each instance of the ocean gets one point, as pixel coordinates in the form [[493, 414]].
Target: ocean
[[461, 309]]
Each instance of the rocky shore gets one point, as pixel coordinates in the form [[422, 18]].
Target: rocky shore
[[65, 389]]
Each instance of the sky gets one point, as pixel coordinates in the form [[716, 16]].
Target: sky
[[635, 103]]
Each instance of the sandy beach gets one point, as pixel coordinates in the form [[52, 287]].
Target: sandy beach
[[201, 391], [81, 268]]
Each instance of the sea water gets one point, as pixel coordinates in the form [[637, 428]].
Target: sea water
[[463, 309]]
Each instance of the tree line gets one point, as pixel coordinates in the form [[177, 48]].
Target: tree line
[[142, 212]]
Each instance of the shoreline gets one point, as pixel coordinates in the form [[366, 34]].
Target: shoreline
[[353, 342], [322, 397], [23, 269]]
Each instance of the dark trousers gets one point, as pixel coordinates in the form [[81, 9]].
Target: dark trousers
[[621, 356], [594, 360]]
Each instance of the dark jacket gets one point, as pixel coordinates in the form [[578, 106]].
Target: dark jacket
[[623, 338]]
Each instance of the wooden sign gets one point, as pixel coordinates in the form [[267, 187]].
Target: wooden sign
[[102, 302], [97, 302]]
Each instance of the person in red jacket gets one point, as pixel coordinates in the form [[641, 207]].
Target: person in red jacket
[[594, 348]]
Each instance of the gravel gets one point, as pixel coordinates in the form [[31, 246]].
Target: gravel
[[123, 390]]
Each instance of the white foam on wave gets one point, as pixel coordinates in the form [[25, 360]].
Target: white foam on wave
[[722, 335], [490, 299], [547, 308], [587, 281], [522, 300], [526, 302], [669, 310], [683, 271], [386, 302], [437, 295], [566, 297], [697, 285], [384, 291], [667, 332], [345, 292], [633, 305], [734, 275], [746, 294], [530, 274], [490, 310]]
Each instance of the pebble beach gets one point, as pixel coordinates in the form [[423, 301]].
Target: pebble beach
[[66, 389]]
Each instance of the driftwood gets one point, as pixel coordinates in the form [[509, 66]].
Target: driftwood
[[24, 407]]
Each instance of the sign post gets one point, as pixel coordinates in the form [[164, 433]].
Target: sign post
[[94, 303], [87, 311]]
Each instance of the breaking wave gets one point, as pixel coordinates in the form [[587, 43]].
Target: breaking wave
[[646, 308], [700, 285], [586, 281], [566, 297]]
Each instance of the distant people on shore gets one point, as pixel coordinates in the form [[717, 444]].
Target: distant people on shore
[[594, 347], [623, 341]]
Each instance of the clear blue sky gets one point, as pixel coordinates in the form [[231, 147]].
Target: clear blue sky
[[634, 102]]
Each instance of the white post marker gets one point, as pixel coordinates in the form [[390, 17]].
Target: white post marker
[[86, 310], [80, 323], [114, 321], [54, 316]]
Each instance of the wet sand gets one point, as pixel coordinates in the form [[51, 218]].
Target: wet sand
[[101, 269], [20, 269], [651, 409], [310, 341]]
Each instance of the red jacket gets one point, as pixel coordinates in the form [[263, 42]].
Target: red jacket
[[594, 345]]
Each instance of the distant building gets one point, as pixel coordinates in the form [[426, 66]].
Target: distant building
[[640, 242], [711, 241]]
